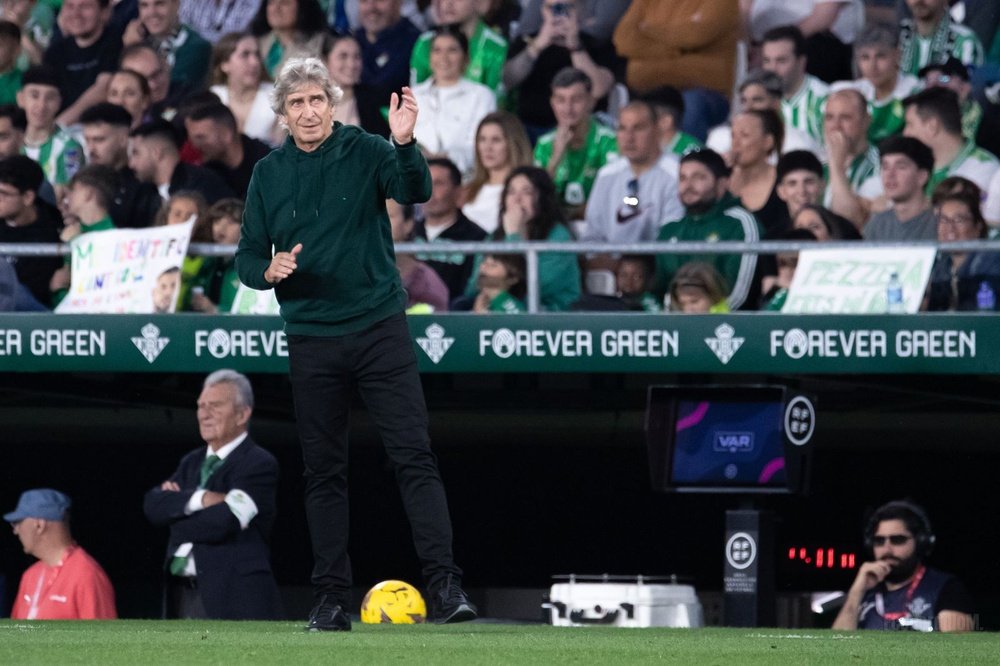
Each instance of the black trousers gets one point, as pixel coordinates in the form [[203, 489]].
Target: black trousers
[[381, 364], [184, 599]]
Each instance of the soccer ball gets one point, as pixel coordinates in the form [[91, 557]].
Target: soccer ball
[[393, 602]]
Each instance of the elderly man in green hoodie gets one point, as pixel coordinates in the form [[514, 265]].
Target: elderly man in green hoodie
[[315, 229]]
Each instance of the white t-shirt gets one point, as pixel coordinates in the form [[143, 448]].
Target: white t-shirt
[[449, 117], [991, 209], [767, 14], [260, 121], [484, 210]]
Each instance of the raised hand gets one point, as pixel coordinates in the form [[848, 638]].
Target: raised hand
[[514, 220], [402, 115]]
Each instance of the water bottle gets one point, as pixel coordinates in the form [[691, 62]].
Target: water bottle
[[986, 300], [894, 295]]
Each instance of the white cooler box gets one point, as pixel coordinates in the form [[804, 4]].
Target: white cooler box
[[623, 601]]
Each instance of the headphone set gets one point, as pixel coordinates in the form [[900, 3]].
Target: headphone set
[[916, 521]]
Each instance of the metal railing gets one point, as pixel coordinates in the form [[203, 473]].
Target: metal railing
[[531, 249]]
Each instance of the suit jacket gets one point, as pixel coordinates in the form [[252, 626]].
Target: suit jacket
[[233, 564]]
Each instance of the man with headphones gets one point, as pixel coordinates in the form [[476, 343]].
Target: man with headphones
[[897, 590]]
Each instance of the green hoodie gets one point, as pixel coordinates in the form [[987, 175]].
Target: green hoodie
[[331, 200], [725, 221]]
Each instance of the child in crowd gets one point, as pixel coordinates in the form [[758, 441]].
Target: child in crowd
[[697, 288], [214, 288], [59, 154], [776, 291], [88, 200], [180, 208], [501, 284], [632, 279]]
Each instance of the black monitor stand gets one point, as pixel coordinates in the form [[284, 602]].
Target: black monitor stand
[[748, 568]]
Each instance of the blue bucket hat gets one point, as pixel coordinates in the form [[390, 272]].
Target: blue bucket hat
[[43, 503]]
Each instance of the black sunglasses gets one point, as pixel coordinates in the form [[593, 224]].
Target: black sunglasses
[[894, 539]]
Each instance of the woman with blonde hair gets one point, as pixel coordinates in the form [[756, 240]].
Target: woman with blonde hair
[[501, 146], [180, 208]]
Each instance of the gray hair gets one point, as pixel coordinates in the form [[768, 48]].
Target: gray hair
[[244, 392], [877, 34], [298, 73]]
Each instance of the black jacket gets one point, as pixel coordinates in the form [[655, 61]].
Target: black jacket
[[190, 177], [453, 269], [233, 564]]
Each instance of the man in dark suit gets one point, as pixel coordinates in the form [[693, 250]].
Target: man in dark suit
[[220, 507]]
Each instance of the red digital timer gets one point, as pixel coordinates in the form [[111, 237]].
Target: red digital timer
[[821, 558]]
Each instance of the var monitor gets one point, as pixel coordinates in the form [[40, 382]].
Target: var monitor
[[731, 439]]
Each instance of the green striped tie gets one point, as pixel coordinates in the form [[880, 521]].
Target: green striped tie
[[211, 464], [208, 467]]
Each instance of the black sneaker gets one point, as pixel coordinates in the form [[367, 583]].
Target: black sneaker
[[328, 616], [450, 603]]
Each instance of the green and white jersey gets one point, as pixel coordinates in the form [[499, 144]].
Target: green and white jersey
[[682, 144], [888, 114], [804, 109], [972, 162], [575, 175], [60, 157], [972, 115], [487, 54], [504, 302], [864, 173], [948, 39]]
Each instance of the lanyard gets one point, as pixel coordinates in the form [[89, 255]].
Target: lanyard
[[37, 596], [880, 602]]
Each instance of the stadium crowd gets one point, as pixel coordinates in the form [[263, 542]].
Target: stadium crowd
[[542, 120]]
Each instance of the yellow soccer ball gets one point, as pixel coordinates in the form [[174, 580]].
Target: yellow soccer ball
[[393, 602]]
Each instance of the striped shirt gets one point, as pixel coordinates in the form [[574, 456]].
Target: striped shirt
[[487, 54], [60, 157], [948, 39], [214, 18], [864, 173], [804, 109], [575, 175], [748, 262], [887, 114], [972, 162], [682, 144]]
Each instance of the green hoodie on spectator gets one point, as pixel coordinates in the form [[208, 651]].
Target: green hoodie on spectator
[[726, 220], [332, 201]]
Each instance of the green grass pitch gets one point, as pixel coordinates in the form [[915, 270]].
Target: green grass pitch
[[143, 642]]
